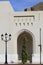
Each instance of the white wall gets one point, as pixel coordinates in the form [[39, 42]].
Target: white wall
[[35, 29], [5, 6], [8, 24]]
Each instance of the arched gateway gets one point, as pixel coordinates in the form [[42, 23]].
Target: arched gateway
[[29, 45]]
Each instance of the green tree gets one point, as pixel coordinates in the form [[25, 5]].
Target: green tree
[[24, 51]]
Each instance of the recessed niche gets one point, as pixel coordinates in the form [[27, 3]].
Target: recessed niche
[[31, 23], [24, 24], [20, 24], [27, 23], [16, 24]]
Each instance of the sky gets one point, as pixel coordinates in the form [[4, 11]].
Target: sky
[[20, 5]]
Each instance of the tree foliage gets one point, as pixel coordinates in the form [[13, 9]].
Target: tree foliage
[[24, 51]]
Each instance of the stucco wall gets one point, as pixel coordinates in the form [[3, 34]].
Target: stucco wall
[[8, 24]]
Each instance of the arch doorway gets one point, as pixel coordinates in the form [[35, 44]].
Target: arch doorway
[[29, 45]]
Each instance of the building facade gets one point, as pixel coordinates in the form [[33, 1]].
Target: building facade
[[20, 24]]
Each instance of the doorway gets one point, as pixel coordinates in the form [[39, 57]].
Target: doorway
[[29, 45]]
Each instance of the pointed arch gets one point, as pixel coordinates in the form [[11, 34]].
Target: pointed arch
[[29, 45]]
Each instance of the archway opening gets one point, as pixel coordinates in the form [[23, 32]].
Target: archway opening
[[29, 45]]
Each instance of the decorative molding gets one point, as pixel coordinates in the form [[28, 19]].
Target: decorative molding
[[27, 16]]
